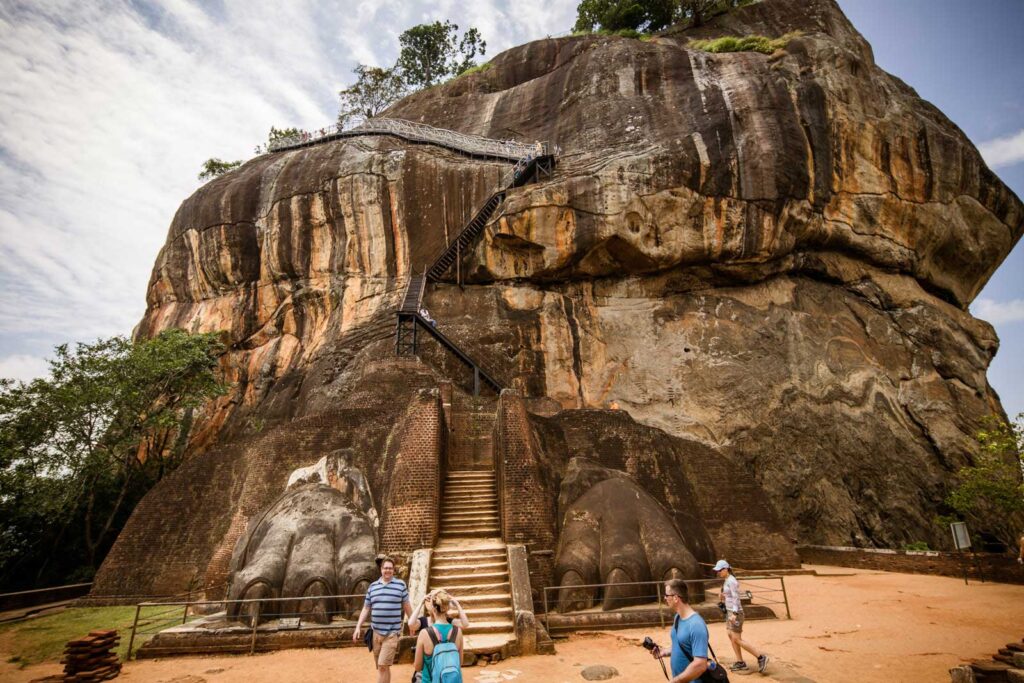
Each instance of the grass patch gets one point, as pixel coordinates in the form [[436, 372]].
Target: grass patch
[[762, 44], [621, 33], [478, 69], [43, 639]]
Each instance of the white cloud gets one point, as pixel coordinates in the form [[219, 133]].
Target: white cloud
[[23, 367], [1004, 151], [108, 109], [999, 312]]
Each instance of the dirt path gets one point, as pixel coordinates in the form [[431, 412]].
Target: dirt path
[[852, 627]]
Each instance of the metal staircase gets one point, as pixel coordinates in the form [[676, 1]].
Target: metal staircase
[[536, 161]]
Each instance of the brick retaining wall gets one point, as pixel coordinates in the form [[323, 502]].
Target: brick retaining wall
[[987, 566]]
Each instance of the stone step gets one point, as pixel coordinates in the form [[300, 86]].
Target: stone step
[[469, 578], [491, 529], [470, 589], [489, 496], [488, 614], [471, 504], [461, 569], [469, 488], [485, 601], [475, 517], [468, 557], [491, 532], [460, 513], [470, 475], [490, 627]]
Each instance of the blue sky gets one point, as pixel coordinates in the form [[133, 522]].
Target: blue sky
[[967, 58], [109, 107]]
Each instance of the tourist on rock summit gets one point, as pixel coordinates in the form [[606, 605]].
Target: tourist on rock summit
[[689, 634], [420, 618], [439, 646], [730, 595], [387, 599]]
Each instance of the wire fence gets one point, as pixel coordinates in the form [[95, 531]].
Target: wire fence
[[641, 603], [417, 132], [256, 615]]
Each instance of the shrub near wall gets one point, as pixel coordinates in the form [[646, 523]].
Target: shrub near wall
[[980, 566]]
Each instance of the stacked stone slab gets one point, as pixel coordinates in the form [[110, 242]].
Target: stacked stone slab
[[90, 659], [1006, 666]]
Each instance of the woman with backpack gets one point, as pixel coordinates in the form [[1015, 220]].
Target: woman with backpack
[[439, 647]]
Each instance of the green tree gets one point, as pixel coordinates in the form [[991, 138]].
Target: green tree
[[375, 90], [433, 52], [619, 15], [699, 11], [214, 167], [990, 493], [80, 447]]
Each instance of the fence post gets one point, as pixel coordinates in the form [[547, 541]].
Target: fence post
[[661, 603], [547, 626], [785, 597], [255, 624], [135, 625]]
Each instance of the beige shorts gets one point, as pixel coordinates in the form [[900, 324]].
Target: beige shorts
[[734, 622], [385, 648]]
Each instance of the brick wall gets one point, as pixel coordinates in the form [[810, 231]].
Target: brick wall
[[410, 509], [526, 497], [987, 566]]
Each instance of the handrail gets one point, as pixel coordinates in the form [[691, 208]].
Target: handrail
[[418, 132], [454, 348]]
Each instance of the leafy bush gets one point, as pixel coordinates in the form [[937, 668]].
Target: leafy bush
[[916, 545], [990, 493], [762, 44]]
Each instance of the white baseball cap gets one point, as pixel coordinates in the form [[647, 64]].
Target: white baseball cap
[[720, 565]]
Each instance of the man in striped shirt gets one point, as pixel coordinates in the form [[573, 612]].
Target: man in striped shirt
[[387, 599]]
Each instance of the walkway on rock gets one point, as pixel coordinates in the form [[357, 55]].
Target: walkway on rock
[[473, 145]]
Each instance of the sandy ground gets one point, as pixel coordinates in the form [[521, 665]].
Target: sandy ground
[[848, 626]]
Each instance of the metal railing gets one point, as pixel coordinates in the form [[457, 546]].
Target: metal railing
[[154, 617], [764, 591], [417, 132]]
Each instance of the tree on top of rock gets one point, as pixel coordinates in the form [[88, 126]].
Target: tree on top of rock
[[433, 52], [375, 90], [619, 15]]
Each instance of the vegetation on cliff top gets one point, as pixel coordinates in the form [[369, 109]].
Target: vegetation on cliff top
[[645, 16], [80, 447], [762, 44]]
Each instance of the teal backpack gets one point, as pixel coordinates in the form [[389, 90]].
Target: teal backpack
[[445, 663]]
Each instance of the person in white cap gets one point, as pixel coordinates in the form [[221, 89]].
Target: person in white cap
[[734, 620]]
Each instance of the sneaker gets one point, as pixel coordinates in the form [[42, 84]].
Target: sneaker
[[762, 663], [738, 666]]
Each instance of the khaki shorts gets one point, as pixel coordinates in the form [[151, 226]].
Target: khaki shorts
[[385, 648], [734, 622]]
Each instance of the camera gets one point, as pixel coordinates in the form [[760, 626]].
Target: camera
[[649, 644]]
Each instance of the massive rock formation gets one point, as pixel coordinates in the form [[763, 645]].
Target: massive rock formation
[[767, 257]]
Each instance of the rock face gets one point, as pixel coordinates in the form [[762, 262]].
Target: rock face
[[767, 257]]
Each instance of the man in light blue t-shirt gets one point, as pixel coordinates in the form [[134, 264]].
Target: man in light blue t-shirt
[[689, 637]]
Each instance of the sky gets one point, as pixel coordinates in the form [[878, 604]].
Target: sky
[[108, 109]]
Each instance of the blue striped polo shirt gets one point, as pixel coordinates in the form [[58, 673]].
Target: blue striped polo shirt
[[385, 601]]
